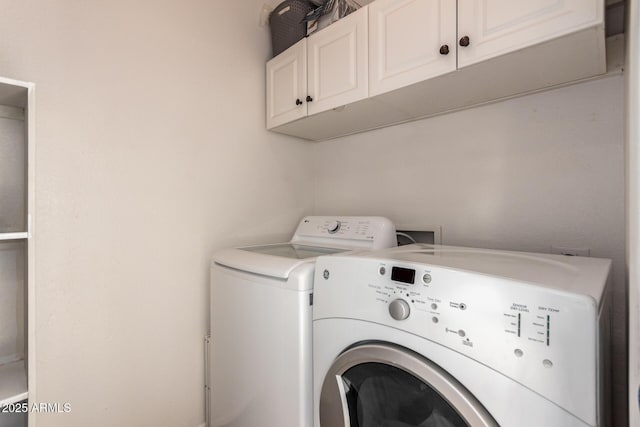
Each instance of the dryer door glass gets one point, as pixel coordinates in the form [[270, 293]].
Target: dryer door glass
[[380, 395], [378, 384]]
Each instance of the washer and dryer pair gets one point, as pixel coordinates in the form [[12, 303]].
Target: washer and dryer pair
[[414, 336]]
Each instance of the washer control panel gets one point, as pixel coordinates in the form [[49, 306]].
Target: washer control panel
[[354, 231], [538, 336]]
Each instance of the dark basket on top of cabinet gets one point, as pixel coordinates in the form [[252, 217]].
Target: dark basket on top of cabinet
[[287, 24]]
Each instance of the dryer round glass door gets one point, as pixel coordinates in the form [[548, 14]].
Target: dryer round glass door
[[384, 385]]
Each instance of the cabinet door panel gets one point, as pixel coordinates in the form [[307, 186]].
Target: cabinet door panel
[[405, 41], [287, 83], [337, 61], [495, 27]]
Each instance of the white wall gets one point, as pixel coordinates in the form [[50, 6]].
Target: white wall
[[151, 153], [524, 174]]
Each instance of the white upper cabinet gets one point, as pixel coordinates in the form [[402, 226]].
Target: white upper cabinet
[[398, 60], [337, 63], [410, 41], [413, 40], [328, 69], [287, 85], [495, 27]]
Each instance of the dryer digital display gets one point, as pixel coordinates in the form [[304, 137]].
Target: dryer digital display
[[404, 275]]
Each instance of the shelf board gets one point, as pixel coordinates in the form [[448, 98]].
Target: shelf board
[[13, 93], [13, 383], [14, 236]]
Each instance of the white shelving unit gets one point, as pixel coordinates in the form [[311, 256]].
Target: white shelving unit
[[17, 317]]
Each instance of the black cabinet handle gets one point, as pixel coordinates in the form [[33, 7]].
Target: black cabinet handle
[[464, 41], [298, 102], [309, 98], [444, 49]]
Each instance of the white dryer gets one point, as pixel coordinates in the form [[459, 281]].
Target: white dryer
[[427, 336], [260, 370]]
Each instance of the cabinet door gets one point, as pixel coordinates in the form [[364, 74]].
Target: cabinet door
[[287, 85], [337, 61], [410, 41], [495, 27]]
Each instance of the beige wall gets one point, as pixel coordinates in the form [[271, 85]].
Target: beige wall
[[523, 174], [151, 153]]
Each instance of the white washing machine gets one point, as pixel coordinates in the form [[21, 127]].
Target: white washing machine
[[260, 353], [427, 336]]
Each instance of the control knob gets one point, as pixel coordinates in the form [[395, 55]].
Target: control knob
[[399, 309], [333, 227]]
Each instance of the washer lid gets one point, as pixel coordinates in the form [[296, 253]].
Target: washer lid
[[292, 250], [277, 260]]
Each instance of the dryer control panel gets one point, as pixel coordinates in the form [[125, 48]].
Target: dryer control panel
[[543, 338], [414, 291]]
